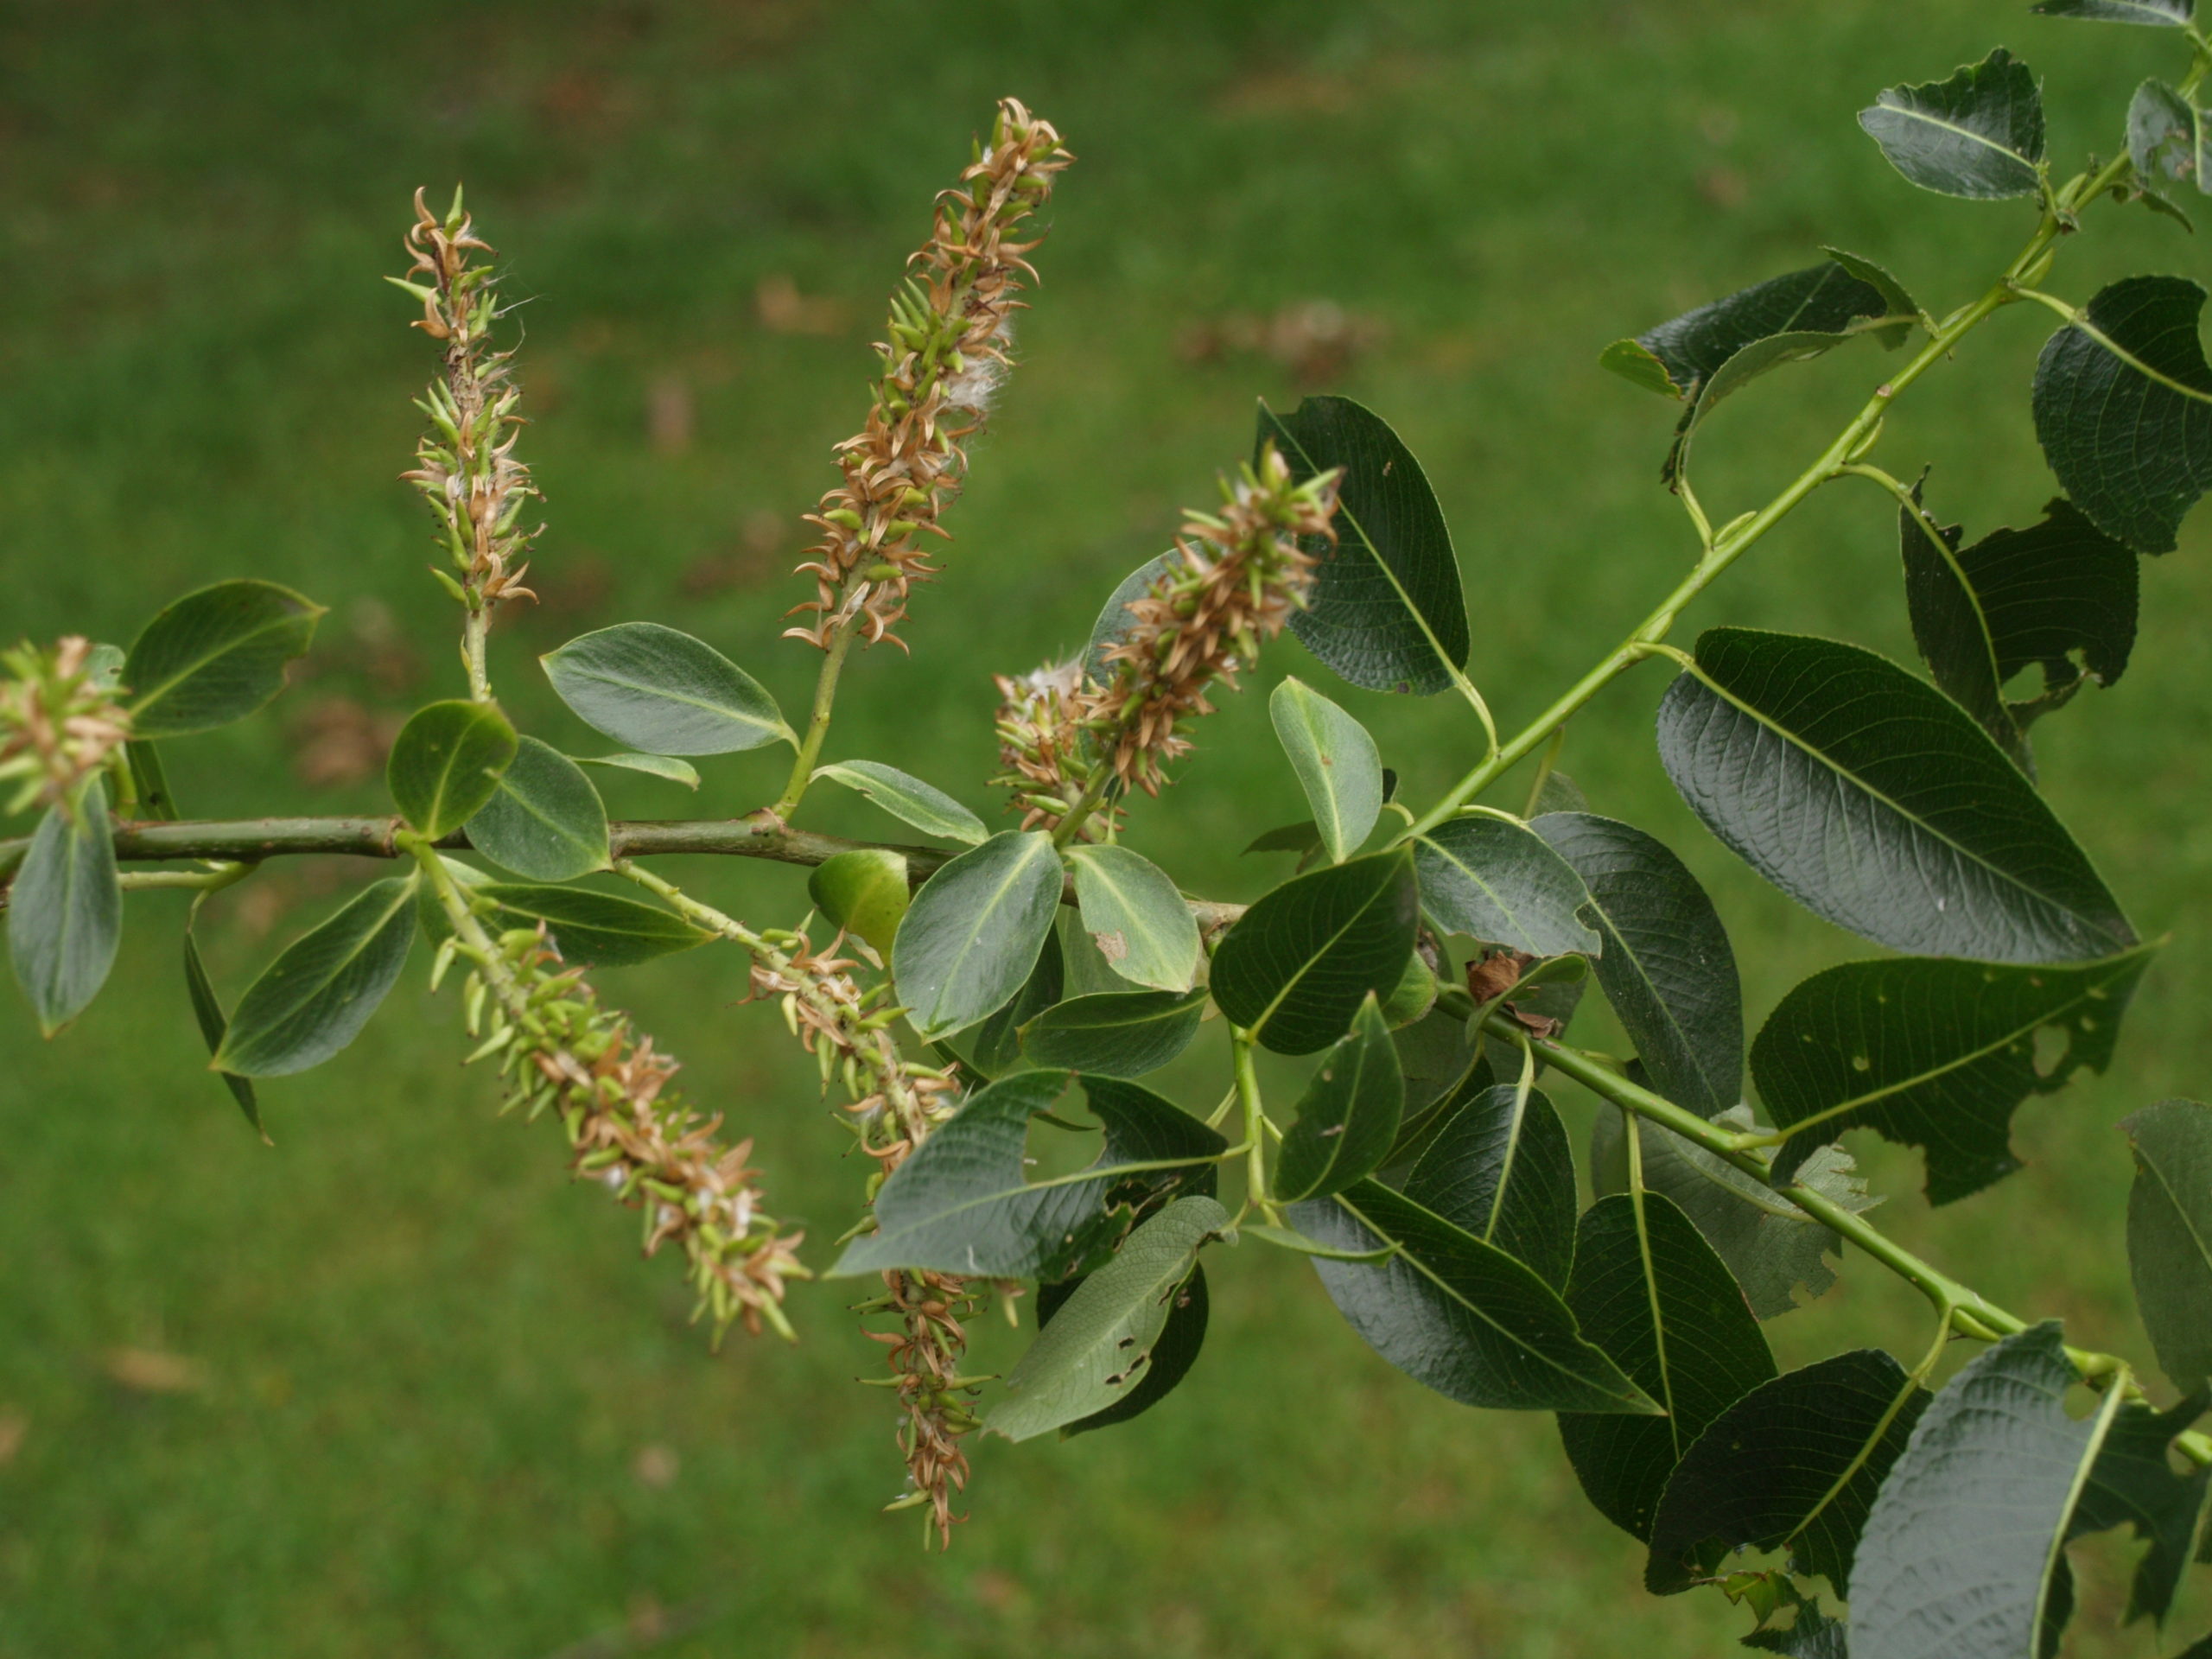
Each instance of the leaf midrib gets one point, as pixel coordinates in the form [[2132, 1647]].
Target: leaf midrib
[[1914, 113], [145, 701], [320, 987], [1314, 957], [1028, 854]]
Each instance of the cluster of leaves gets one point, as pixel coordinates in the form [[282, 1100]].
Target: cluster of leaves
[[1429, 965]]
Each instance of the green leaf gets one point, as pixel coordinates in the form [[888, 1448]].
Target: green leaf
[[1875, 801], [2164, 14], [1501, 883], [665, 767], [1778, 1253], [863, 892], [314, 998], [2059, 595], [1649, 1290], [1665, 962], [995, 1047], [151, 779], [64, 911], [2123, 408], [1115, 1034], [1499, 1167], [1133, 912], [1957, 1554], [1977, 135], [962, 1204], [1303, 838], [1347, 1117], [1639, 366], [1933, 1053], [1286, 1239], [1413, 995], [2167, 138], [1170, 1356], [910, 800], [1336, 762], [2169, 1235], [1095, 1353], [2132, 1484], [1811, 1635], [1297, 964], [215, 655], [208, 1011], [604, 930], [1386, 610], [1115, 622], [663, 692], [1456, 1314], [1434, 1054], [1795, 1465], [973, 932], [447, 762], [544, 821]]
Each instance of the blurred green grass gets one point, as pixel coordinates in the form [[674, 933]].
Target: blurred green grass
[[444, 1410]]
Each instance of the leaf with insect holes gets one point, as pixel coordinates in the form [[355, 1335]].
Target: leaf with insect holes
[[968, 940], [447, 762], [1649, 1290], [963, 1202], [1115, 1033], [1297, 964], [2059, 595], [1336, 763], [929, 809], [1794, 1464], [65, 910], [1171, 1356], [316, 997], [1093, 1355], [1934, 1053], [1347, 1117], [1139, 922], [1876, 802], [1499, 1167], [663, 692], [1386, 610], [2123, 409], [2167, 138], [1977, 135], [215, 655], [544, 821], [2169, 1235], [1501, 883], [1455, 1314]]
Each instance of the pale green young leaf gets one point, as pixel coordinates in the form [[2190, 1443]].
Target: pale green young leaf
[[1336, 762], [663, 692], [666, 767], [907, 798], [864, 892]]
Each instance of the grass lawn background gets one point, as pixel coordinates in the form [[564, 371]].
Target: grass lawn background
[[439, 1408]]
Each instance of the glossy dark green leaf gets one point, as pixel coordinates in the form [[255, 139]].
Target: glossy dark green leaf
[[64, 909], [973, 932], [2167, 138], [994, 1047], [1665, 962], [2123, 408], [2164, 14], [544, 821], [2132, 1484], [1386, 610], [207, 1013], [2169, 1235], [1499, 1167], [1168, 1360], [1501, 883], [963, 1202], [1934, 1053], [1433, 1057], [1649, 1290], [664, 766], [1875, 801], [1457, 1315], [1094, 1354], [907, 798], [1955, 1557], [1779, 1255], [1297, 965], [215, 655], [1336, 762], [2059, 595], [1348, 1117], [604, 930], [1134, 914], [447, 762], [1115, 1034], [663, 692], [316, 997], [1794, 1464], [1979, 133]]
